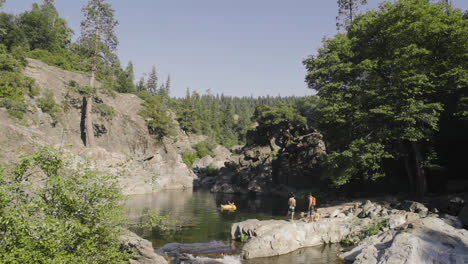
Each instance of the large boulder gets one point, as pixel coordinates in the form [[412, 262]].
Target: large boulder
[[430, 240], [463, 216], [142, 249], [277, 237]]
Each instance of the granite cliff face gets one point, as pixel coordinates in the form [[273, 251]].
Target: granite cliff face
[[273, 166], [123, 145]]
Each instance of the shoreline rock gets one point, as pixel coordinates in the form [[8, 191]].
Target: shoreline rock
[[376, 228], [142, 249]]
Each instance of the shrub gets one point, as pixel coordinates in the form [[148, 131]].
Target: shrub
[[104, 110], [188, 157], [74, 217], [205, 148], [211, 171], [48, 105], [15, 108]]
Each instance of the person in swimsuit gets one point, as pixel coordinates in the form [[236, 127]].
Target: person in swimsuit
[[311, 205], [292, 205]]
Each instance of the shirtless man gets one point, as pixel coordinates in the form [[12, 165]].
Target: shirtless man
[[311, 206], [292, 205]]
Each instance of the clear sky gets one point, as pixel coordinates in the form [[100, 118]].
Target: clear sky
[[236, 47]]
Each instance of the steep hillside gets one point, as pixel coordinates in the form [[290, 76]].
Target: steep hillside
[[123, 145]]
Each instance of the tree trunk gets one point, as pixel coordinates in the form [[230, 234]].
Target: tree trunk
[[89, 122], [89, 98], [408, 169], [421, 182]]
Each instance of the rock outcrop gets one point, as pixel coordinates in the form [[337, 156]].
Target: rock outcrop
[[142, 249], [429, 240], [123, 145], [352, 223], [262, 169], [278, 237]]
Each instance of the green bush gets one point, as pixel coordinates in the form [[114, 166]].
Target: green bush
[[373, 229], [15, 108], [104, 110], [74, 217], [188, 157], [211, 171], [205, 148], [48, 105]]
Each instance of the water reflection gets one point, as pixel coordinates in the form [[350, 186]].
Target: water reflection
[[199, 220], [311, 255]]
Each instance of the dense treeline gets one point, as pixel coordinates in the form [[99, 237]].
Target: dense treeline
[[41, 33], [393, 94]]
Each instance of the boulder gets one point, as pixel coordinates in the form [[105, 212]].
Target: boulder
[[396, 221], [277, 237], [142, 249], [430, 240], [463, 216], [367, 208], [452, 221], [414, 207], [448, 204]]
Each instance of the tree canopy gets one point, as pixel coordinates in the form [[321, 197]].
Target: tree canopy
[[386, 84]]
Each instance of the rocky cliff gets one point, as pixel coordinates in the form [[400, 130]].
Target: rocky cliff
[[273, 166], [123, 145]]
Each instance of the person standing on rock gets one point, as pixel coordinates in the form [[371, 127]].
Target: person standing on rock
[[312, 203], [292, 205]]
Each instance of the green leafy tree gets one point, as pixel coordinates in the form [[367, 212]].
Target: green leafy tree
[[385, 86], [75, 216], [43, 28], [97, 35], [281, 122]]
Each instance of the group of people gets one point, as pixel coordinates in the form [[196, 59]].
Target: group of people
[[312, 214]]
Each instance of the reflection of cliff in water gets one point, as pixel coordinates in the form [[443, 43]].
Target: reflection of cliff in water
[[163, 202], [198, 215]]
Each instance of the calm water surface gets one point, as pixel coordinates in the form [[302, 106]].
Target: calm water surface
[[198, 220]]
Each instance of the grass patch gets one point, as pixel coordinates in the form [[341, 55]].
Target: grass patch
[[106, 111]]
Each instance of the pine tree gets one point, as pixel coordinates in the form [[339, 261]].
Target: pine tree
[[347, 11], [168, 85], [141, 86], [97, 34], [152, 82]]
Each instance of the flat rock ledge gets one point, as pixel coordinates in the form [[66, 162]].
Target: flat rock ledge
[[428, 240], [142, 249], [278, 237], [410, 234]]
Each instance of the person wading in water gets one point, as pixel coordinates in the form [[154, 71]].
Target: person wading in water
[[292, 205]]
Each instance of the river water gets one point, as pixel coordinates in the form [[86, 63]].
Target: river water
[[195, 218]]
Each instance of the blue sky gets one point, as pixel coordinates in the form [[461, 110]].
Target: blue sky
[[239, 48]]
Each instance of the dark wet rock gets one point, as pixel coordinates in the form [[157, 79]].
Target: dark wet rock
[[452, 220], [414, 207], [448, 204], [463, 216]]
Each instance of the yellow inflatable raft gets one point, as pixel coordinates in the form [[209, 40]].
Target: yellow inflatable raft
[[228, 207]]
